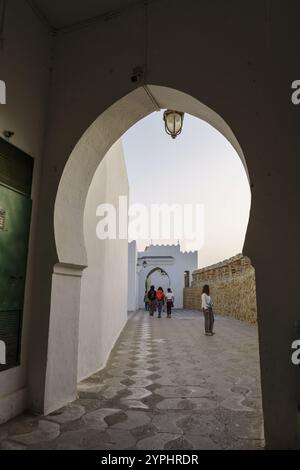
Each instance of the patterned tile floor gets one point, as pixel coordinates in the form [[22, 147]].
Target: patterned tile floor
[[166, 386]]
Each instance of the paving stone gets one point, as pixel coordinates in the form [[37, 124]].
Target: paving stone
[[134, 419], [154, 387], [247, 444], [115, 381], [166, 379], [96, 419], [187, 380], [183, 392], [118, 439], [127, 382], [132, 365], [87, 387], [134, 404], [143, 363], [187, 404], [111, 392], [138, 393], [180, 443], [116, 418], [202, 442], [142, 373], [69, 413], [142, 432], [141, 382], [10, 445], [81, 439], [129, 372], [235, 403], [254, 394], [154, 377], [89, 404], [156, 442], [46, 431], [199, 424], [167, 423], [23, 424], [246, 427], [152, 361]]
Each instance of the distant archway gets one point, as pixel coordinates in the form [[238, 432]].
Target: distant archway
[[162, 279]]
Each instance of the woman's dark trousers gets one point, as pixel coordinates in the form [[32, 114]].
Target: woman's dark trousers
[[208, 320]]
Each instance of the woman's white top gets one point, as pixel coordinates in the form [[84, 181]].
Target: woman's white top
[[169, 296], [206, 301]]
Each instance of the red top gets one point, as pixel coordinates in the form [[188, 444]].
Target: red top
[[160, 295]]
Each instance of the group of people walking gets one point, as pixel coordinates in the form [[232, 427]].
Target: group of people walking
[[157, 300]]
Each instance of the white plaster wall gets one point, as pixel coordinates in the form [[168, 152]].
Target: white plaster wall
[[182, 262], [24, 66], [103, 304], [63, 342], [132, 276]]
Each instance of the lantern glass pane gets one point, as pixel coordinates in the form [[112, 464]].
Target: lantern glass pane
[[177, 126], [170, 122]]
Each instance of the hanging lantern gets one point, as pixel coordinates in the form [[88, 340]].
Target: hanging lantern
[[173, 122]]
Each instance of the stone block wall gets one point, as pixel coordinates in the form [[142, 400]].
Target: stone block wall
[[232, 286]]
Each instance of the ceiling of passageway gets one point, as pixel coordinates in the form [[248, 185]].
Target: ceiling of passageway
[[64, 13]]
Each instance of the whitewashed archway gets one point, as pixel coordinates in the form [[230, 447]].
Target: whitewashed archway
[[97, 140], [95, 143]]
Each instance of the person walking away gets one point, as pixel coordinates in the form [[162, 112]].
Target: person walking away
[[160, 298], [170, 302], [207, 311], [152, 300], [146, 301]]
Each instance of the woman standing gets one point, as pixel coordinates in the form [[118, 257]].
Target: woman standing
[[207, 310], [170, 302]]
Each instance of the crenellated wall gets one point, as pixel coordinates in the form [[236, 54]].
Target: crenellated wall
[[232, 286]]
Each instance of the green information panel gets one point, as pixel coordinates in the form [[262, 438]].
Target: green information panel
[[15, 212]]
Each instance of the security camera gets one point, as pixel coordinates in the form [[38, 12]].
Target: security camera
[[137, 74], [8, 134]]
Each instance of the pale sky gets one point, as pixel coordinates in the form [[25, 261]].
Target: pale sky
[[199, 167]]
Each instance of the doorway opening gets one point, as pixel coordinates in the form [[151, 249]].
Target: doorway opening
[[73, 247], [186, 279], [157, 277]]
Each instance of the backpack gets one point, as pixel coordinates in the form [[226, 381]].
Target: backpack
[[152, 295], [160, 295]]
